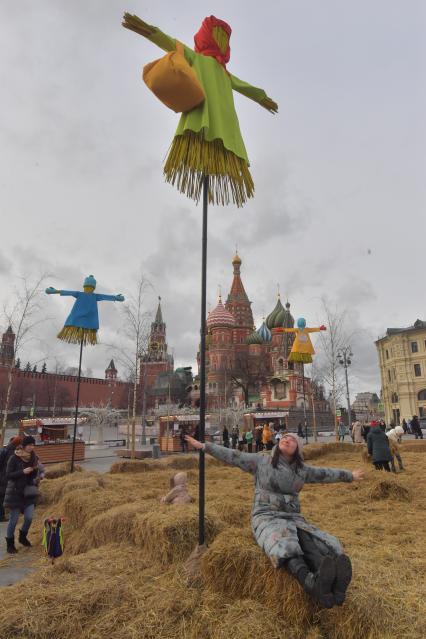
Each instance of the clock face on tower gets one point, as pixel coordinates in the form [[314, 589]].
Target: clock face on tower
[[154, 346]]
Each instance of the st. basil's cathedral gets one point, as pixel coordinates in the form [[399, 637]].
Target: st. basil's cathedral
[[249, 365]]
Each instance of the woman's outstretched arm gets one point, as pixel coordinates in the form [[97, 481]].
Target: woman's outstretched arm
[[245, 461], [317, 475], [254, 93]]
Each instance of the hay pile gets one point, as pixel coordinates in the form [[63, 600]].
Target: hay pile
[[122, 576]]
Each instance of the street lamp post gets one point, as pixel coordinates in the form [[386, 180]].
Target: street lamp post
[[344, 356]]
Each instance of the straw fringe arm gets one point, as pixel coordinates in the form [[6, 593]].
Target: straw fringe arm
[[254, 93], [154, 34]]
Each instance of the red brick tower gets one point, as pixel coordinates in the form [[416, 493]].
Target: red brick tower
[[220, 324], [7, 348], [157, 360], [111, 372], [240, 306]]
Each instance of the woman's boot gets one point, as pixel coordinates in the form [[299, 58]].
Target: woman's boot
[[23, 539], [11, 545], [318, 585], [343, 578]]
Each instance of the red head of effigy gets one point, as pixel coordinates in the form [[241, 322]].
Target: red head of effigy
[[213, 39]]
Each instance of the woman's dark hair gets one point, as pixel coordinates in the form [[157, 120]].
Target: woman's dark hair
[[297, 458]]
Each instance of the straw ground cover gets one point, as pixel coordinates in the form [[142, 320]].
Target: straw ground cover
[[122, 574]]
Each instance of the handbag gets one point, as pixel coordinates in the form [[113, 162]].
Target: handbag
[[174, 81], [31, 491]]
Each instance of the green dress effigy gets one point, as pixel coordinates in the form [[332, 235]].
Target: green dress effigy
[[208, 139]]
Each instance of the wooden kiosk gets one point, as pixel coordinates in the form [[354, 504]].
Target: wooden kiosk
[[53, 438], [171, 427]]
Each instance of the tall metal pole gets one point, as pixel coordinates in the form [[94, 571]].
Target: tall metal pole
[[344, 355], [347, 395], [202, 429], [304, 403], [76, 407]]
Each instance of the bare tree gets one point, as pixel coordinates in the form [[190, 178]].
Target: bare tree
[[22, 316], [327, 369], [136, 332], [247, 373], [99, 417]]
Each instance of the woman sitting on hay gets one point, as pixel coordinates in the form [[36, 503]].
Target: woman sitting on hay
[[313, 557]]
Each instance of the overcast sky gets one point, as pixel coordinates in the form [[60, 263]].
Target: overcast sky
[[339, 172]]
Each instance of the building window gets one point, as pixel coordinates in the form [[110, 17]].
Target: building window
[[417, 370], [421, 395], [414, 347], [389, 375], [387, 354], [421, 411]]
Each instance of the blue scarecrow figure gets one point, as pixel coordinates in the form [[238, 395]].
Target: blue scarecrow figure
[[82, 323]]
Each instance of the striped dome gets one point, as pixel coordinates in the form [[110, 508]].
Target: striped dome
[[220, 317], [280, 316], [265, 333], [254, 338], [271, 320]]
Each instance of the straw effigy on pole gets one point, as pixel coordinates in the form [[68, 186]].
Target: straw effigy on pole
[[81, 327], [207, 156]]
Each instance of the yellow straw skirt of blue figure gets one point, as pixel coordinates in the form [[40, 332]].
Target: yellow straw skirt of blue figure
[[74, 335]]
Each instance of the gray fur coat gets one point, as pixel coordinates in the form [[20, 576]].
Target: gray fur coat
[[276, 506]]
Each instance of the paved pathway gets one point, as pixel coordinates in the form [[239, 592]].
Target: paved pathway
[[13, 568]]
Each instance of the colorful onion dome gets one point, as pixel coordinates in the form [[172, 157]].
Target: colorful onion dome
[[236, 259], [264, 333], [271, 320], [219, 316], [254, 338]]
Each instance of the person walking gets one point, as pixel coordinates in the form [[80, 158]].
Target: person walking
[[395, 436], [357, 433], [225, 437], [300, 432], [234, 437], [313, 557], [258, 439], [378, 448], [382, 425], [21, 491], [183, 442], [5, 454], [404, 426], [416, 428], [342, 431], [267, 437], [365, 430], [249, 441]]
